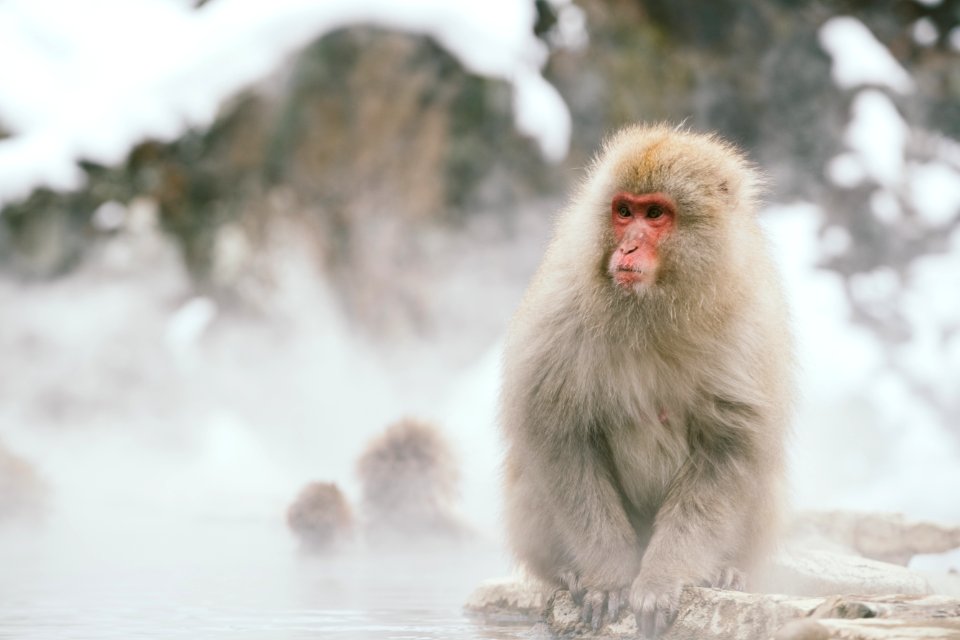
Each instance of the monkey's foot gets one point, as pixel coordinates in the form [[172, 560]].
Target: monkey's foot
[[729, 578], [656, 609]]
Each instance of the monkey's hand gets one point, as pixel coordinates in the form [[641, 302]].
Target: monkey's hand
[[597, 606], [655, 601], [729, 578], [602, 607]]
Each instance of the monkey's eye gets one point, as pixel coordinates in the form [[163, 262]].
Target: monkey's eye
[[623, 211], [654, 212]]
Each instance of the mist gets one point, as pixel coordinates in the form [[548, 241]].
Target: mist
[[174, 435]]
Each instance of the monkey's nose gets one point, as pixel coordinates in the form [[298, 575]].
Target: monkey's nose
[[628, 250]]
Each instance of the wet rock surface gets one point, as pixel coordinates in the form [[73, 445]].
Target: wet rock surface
[[806, 594], [729, 615]]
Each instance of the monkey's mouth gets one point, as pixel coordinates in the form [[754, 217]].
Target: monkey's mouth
[[630, 277]]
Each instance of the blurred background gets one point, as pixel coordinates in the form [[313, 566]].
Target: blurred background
[[238, 239]]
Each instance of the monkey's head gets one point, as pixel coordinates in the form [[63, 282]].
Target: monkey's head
[[671, 204], [409, 467]]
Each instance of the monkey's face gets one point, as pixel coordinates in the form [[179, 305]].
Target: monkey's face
[[641, 223]]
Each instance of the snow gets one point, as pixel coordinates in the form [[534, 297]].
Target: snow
[[877, 135], [865, 437], [859, 59], [954, 38], [835, 241], [533, 98], [570, 31], [845, 170], [873, 421], [86, 87], [934, 191], [109, 216], [886, 207], [875, 288], [925, 32]]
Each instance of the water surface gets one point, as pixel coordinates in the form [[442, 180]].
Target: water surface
[[148, 578]]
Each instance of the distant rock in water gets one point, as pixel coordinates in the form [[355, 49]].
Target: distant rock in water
[[320, 517], [889, 537], [410, 484], [23, 492]]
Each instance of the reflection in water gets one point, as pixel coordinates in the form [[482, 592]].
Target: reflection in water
[[231, 579]]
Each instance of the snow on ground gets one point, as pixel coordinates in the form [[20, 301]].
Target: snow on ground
[[92, 79]]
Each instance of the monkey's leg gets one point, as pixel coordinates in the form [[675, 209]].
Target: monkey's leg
[[703, 528]]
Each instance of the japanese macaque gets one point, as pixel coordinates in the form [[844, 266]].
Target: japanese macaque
[[410, 481], [321, 517], [647, 383]]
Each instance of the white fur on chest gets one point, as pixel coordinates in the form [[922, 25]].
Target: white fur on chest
[[647, 431]]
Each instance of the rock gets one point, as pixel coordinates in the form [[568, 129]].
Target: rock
[[805, 629], [882, 536], [707, 614], [704, 613], [516, 597], [888, 606], [716, 613], [563, 614], [822, 573], [870, 630], [730, 615]]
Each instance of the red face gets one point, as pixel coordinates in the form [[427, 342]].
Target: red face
[[641, 222]]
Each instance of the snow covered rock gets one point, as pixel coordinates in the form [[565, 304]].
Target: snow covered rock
[[882, 536]]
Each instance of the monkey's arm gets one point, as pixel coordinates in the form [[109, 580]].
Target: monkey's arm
[[567, 521], [564, 493], [715, 513]]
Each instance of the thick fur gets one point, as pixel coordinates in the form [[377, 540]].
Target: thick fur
[[645, 429], [410, 484], [320, 517]]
